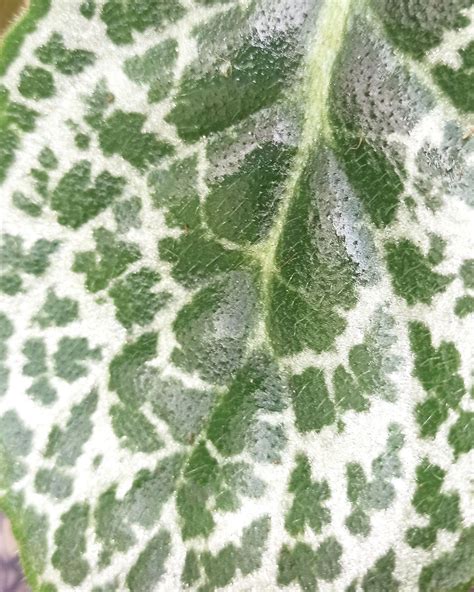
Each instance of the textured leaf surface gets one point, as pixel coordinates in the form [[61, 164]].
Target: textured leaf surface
[[237, 294]]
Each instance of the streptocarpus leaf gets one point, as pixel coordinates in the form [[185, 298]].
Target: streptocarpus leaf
[[237, 294]]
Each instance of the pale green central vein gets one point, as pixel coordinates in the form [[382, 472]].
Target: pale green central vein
[[329, 34]]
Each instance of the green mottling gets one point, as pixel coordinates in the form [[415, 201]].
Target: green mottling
[[150, 565], [157, 485], [375, 180], [352, 586], [14, 119], [34, 351], [108, 262], [358, 522], [66, 61], [65, 444], [42, 391], [4, 378], [56, 311], [453, 570], [438, 371], [417, 28], [347, 393], [77, 198], [266, 441], [467, 273], [306, 566], [134, 301], [215, 329], [6, 331], [437, 250], [467, 54], [379, 493], [241, 206], [201, 467], [6, 328], [109, 587], [10, 284], [35, 262], [41, 180], [298, 564], [111, 527], [36, 83], [127, 213], [47, 158], [430, 415], [82, 140], [15, 441], [212, 330], [298, 318], [257, 386], [127, 366], [154, 69], [122, 19], [412, 275], [328, 564], [384, 359], [380, 577], [71, 355], [121, 133], [308, 506], [70, 542], [464, 306], [196, 258], [311, 403], [185, 410], [202, 479], [191, 570], [356, 482], [371, 363], [210, 100], [284, 321], [97, 104], [236, 480], [219, 569], [461, 434], [47, 587], [87, 9], [388, 465], [142, 505], [441, 509], [53, 482], [133, 429], [174, 188], [363, 367], [26, 205], [458, 83], [254, 538], [227, 500]]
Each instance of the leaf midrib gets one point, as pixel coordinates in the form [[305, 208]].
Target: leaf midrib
[[329, 33]]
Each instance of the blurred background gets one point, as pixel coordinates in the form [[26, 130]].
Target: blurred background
[[11, 577], [8, 9]]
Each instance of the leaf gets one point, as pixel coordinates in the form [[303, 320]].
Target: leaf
[[236, 294]]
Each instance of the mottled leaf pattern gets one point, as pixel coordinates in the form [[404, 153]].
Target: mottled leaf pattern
[[237, 294]]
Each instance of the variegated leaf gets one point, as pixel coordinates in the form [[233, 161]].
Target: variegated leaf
[[237, 294]]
